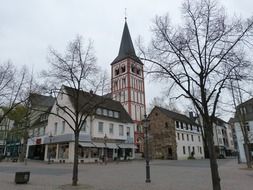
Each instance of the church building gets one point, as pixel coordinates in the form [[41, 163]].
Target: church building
[[127, 84]]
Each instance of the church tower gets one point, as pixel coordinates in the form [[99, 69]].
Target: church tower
[[127, 83]]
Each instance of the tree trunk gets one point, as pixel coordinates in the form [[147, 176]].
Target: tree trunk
[[24, 147], [75, 166], [247, 155], [212, 158]]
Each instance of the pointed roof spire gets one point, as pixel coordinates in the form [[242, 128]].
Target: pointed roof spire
[[126, 46]]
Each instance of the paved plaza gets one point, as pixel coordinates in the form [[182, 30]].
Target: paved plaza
[[165, 175]]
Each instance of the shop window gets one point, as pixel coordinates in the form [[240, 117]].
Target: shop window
[[63, 151]]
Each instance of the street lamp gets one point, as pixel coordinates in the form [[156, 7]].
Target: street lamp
[[146, 126], [105, 151], [49, 150]]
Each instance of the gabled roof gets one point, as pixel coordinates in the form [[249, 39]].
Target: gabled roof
[[41, 100], [89, 101], [176, 116], [126, 47]]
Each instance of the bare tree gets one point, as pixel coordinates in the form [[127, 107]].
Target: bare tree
[[77, 70], [200, 55]]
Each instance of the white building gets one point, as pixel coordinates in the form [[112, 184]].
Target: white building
[[109, 131], [245, 108], [223, 138]]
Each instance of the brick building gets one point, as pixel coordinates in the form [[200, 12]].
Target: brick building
[[174, 136]]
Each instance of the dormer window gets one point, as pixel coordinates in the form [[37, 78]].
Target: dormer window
[[99, 111], [116, 114], [105, 112]]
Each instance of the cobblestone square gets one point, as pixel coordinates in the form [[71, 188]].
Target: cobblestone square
[[165, 175]]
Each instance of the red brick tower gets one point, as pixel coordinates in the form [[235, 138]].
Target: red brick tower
[[127, 84]]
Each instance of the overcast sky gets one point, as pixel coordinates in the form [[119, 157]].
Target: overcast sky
[[29, 27]]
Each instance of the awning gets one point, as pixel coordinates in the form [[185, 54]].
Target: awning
[[111, 146], [86, 144], [127, 146], [99, 145]]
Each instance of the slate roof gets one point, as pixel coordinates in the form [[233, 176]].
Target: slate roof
[[41, 100], [126, 47], [88, 101], [176, 116], [249, 110]]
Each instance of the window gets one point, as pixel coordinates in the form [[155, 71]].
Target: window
[[111, 128], [183, 149], [186, 126], [57, 111], [192, 138], [123, 68], [193, 149], [182, 136], [128, 131], [121, 130], [199, 138], [138, 71], [133, 68], [116, 114], [116, 71], [100, 127], [55, 128], [178, 136], [110, 113], [182, 125], [84, 126], [44, 131], [166, 125], [187, 137], [177, 124], [99, 111], [198, 128], [189, 150], [105, 112], [63, 127], [200, 150], [191, 127]]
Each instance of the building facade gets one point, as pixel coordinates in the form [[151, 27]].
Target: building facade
[[223, 138], [127, 84], [244, 121], [108, 132], [174, 136]]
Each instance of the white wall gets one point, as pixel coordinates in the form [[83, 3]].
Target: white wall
[[186, 143], [240, 140]]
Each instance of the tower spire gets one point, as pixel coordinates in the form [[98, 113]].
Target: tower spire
[[126, 49], [125, 14]]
